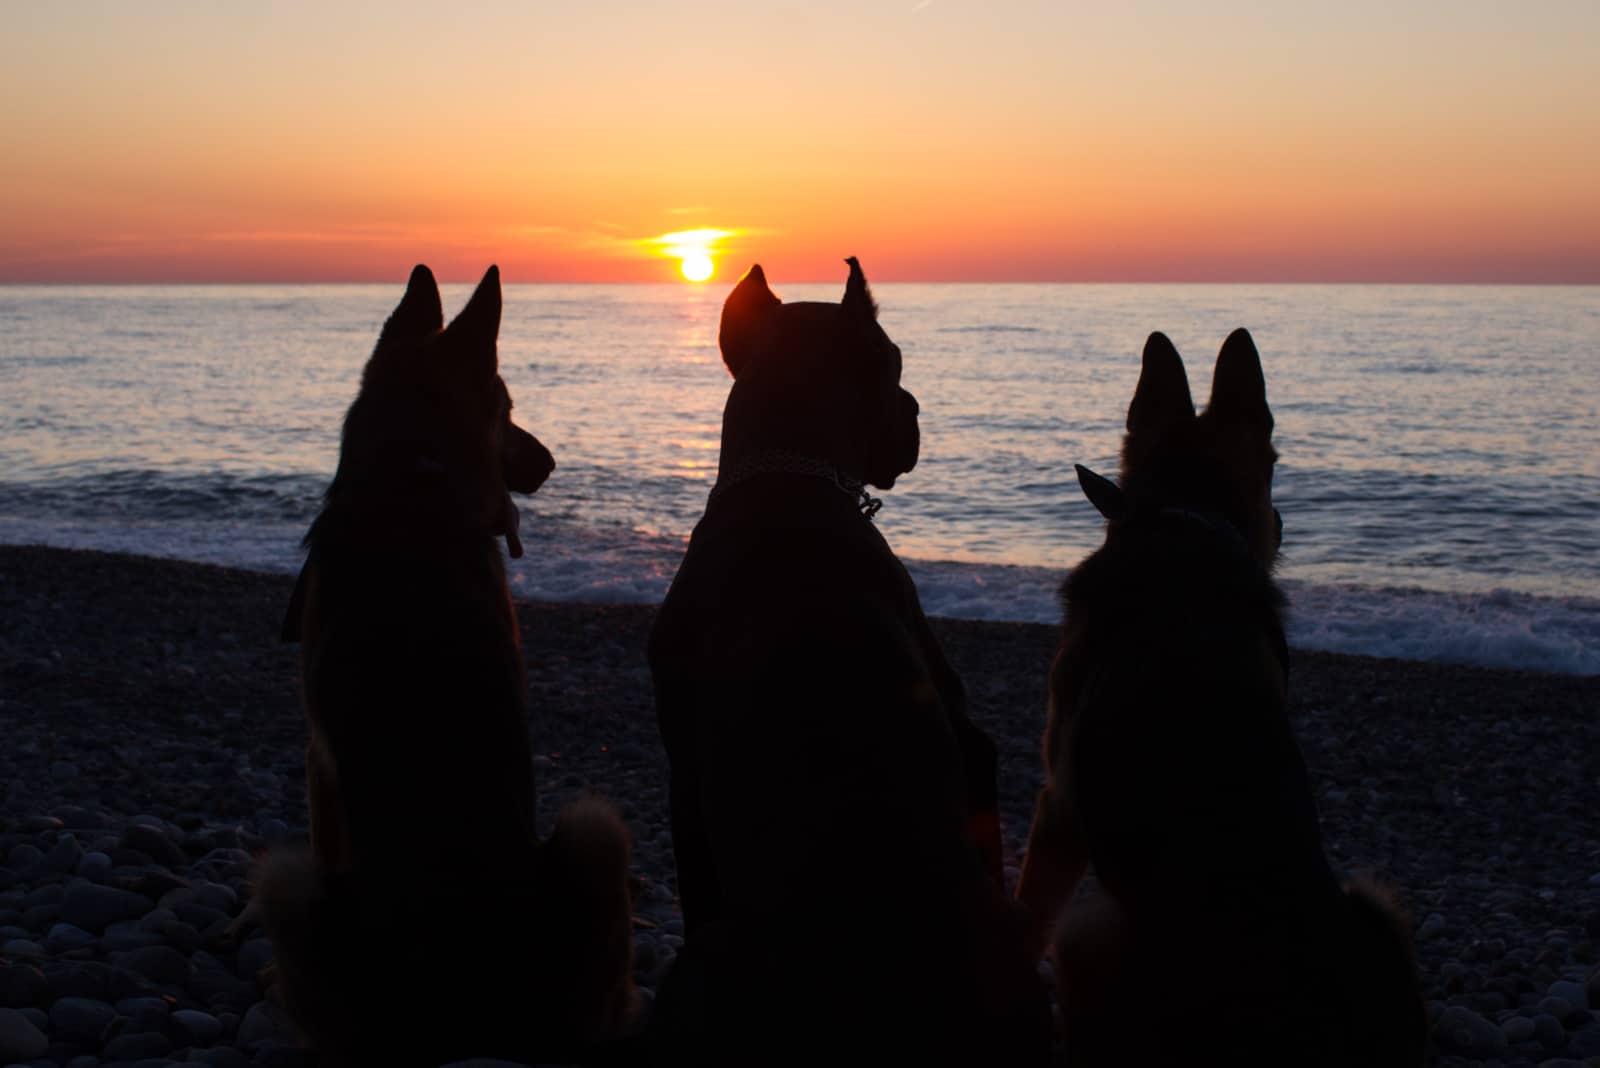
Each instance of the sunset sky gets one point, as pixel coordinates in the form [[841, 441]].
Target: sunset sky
[[938, 140]]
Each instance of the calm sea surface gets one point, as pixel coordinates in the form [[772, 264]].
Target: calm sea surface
[[1440, 479]]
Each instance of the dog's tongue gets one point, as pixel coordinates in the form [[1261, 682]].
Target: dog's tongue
[[513, 521]]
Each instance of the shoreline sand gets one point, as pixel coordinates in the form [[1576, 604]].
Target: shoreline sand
[[135, 690]]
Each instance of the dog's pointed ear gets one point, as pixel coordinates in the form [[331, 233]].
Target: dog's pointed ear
[[1106, 496], [474, 331], [1162, 397], [419, 313], [743, 319], [1238, 386], [857, 297]]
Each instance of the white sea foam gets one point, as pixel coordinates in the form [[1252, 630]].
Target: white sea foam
[[1498, 629]]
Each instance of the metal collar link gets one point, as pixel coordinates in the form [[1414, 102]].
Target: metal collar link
[[778, 462]]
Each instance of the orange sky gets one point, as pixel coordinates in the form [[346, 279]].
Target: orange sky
[[938, 141]]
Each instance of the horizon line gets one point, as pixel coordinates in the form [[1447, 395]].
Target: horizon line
[[712, 284]]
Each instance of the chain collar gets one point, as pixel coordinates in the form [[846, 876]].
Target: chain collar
[[778, 462]]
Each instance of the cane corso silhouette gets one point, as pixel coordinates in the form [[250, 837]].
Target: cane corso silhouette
[[425, 883], [833, 806], [1173, 769]]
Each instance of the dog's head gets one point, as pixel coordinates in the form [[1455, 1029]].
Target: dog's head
[[821, 380], [1217, 462], [433, 406]]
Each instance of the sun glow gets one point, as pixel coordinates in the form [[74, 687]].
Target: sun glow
[[695, 251]]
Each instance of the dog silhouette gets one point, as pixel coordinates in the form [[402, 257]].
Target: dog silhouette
[[425, 873], [833, 806], [1173, 770]]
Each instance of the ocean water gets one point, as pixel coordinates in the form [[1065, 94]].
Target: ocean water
[[1439, 481]]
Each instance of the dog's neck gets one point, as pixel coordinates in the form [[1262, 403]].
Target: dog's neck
[[782, 462], [409, 502]]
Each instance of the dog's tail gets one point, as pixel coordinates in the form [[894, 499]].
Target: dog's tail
[[584, 885], [1390, 1016], [293, 896]]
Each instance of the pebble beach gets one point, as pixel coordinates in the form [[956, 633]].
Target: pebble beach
[[151, 742]]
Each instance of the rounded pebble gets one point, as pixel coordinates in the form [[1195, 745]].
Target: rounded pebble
[[20, 1040]]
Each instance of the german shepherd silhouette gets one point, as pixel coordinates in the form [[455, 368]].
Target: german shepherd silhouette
[[425, 880], [833, 806], [1173, 770]]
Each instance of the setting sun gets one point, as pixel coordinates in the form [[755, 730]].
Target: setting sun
[[697, 266], [695, 250]]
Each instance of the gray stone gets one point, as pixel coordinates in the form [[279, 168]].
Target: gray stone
[[80, 979], [81, 1019], [199, 916], [20, 1040], [24, 857], [128, 934], [196, 1028], [161, 964], [22, 947], [95, 907], [21, 984], [181, 936], [63, 857], [181, 895], [80, 818], [94, 866], [214, 986], [1548, 1030], [219, 1057], [1518, 1029], [1573, 993], [144, 1014], [63, 771], [1584, 1043], [49, 894], [254, 955], [154, 843], [217, 896], [137, 1046], [265, 1023], [83, 1061], [64, 937], [1463, 1031], [1555, 1006]]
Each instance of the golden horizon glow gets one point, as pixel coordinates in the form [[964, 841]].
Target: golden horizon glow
[[695, 250], [188, 142]]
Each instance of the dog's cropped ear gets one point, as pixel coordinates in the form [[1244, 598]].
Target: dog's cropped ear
[[474, 331], [1161, 399], [1106, 496], [419, 314], [744, 316], [857, 297], [1238, 387]]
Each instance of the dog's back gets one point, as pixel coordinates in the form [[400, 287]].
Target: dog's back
[[1175, 772], [425, 871], [832, 805]]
